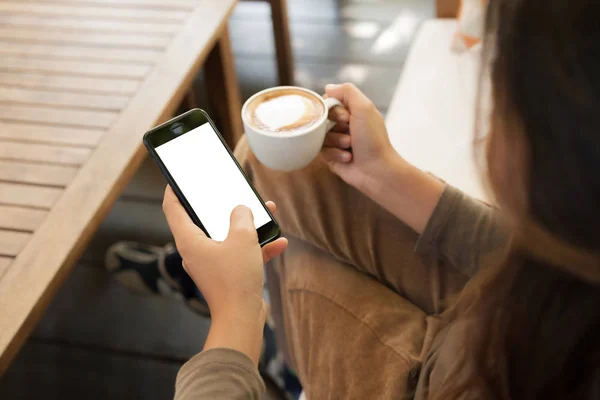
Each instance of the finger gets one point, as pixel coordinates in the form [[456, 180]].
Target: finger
[[179, 221], [339, 114], [341, 127], [339, 140], [241, 226], [333, 154], [352, 98], [274, 249], [271, 206]]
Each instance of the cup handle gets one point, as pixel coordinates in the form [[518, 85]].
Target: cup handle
[[331, 102]]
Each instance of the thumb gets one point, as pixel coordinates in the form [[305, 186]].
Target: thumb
[[241, 225], [352, 98]]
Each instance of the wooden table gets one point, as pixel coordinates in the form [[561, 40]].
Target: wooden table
[[80, 82]]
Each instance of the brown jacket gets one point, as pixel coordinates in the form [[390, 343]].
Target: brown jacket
[[466, 233]]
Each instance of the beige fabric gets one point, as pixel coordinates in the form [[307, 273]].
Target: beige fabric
[[358, 305]]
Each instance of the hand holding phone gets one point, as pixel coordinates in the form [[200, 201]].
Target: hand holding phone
[[229, 274], [205, 175]]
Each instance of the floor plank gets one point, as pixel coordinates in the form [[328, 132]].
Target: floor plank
[[376, 43], [55, 371], [23, 132], [19, 218], [378, 83]]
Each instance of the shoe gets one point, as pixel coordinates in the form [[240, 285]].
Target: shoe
[[154, 270]]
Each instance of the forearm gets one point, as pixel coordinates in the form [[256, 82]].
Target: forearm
[[405, 191], [239, 328]]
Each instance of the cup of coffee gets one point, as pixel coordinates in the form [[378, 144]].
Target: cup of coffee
[[286, 126]]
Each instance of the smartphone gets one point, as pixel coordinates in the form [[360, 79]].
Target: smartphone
[[205, 175]]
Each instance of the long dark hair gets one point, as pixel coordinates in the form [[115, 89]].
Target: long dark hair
[[534, 320]]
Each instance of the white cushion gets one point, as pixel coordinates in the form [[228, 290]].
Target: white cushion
[[432, 116]]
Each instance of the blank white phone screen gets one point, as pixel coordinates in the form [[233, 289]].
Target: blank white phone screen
[[209, 179]]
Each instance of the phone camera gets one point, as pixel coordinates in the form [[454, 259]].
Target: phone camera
[[177, 129]]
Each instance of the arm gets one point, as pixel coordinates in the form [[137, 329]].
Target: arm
[[463, 231], [230, 276]]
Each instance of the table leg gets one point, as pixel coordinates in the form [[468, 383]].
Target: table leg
[[223, 90], [283, 44]]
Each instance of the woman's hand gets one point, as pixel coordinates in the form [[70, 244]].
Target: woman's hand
[[358, 148], [229, 274], [359, 151]]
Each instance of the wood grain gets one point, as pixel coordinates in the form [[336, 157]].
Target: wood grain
[[283, 42], [28, 196], [58, 116], [153, 4], [63, 99], [71, 83], [224, 91], [22, 219], [68, 67], [73, 24], [37, 174], [74, 10], [40, 268], [24, 132], [98, 39], [44, 153], [12, 242], [4, 264], [78, 53]]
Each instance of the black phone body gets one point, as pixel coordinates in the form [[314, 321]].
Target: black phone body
[[205, 176]]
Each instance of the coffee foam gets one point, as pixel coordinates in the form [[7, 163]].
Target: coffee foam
[[285, 111]]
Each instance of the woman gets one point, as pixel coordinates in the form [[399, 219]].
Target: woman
[[364, 315]]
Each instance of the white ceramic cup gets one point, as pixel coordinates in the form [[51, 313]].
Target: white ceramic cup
[[289, 151]]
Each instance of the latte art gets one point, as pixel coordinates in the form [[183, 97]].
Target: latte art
[[285, 111]]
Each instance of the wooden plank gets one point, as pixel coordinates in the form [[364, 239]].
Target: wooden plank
[[283, 42], [70, 10], [72, 24], [113, 102], [153, 4], [22, 132], [224, 91], [79, 53], [20, 218], [4, 264], [70, 83], [58, 116], [35, 275], [29, 196], [37, 174], [44, 153], [112, 39], [68, 67], [12, 242]]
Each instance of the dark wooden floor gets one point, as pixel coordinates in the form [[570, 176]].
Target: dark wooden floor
[[98, 341]]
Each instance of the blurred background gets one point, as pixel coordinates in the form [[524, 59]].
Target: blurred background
[[98, 341]]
